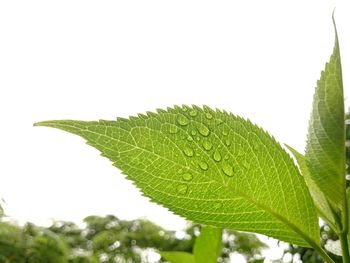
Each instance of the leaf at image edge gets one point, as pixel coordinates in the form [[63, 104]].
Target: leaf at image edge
[[325, 149]]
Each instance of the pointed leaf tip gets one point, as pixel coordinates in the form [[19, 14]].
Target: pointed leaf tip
[[44, 124], [38, 124]]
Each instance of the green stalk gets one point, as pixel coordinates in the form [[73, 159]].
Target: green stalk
[[345, 230], [345, 216], [344, 247], [324, 255], [341, 220], [321, 252]]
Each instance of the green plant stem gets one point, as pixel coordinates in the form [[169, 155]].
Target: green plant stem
[[345, 230], [324, 255], [344, 247]]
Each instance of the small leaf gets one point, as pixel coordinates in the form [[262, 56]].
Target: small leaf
[[325, 150], [178, 257], [254, 187], [320, 200], [207, 247]]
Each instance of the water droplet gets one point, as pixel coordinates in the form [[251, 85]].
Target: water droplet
[[208, 116], [182, 189], [193, 132], [173, 128], [217, 205], [182, 120], [203, 129], [187, 176], [217, 156], [180, 171], [189, 138], [203, 165], [228, 170], [226, 157], [207, 145], [188, 151], [193, 113], [227, 142], [225, 133], [218, 121], [198, 139]]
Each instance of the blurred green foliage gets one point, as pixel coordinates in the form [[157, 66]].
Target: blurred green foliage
[[308, 255], [109, 239]]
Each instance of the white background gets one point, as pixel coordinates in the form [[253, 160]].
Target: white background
[[102, 59]]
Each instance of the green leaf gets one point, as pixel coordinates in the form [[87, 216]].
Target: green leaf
[[321, 203], [207, 247], [209, 166], [178, 257], [325, 150]]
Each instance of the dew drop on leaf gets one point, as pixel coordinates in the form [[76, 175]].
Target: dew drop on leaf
[[225, 133], [182, 120], [189, 138], [180, 171], [203, 165], [217, 156], [182, 189], [193, 113], [173, 129], [193, 132], [207, 145], [203, 130], [218, 121], [228, 170], [227, 142], [187, 176], [188, 151], [208, 116]]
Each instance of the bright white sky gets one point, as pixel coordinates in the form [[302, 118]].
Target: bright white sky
[[102, 59]]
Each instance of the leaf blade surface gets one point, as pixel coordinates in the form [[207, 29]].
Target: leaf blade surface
[[209, 166]]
